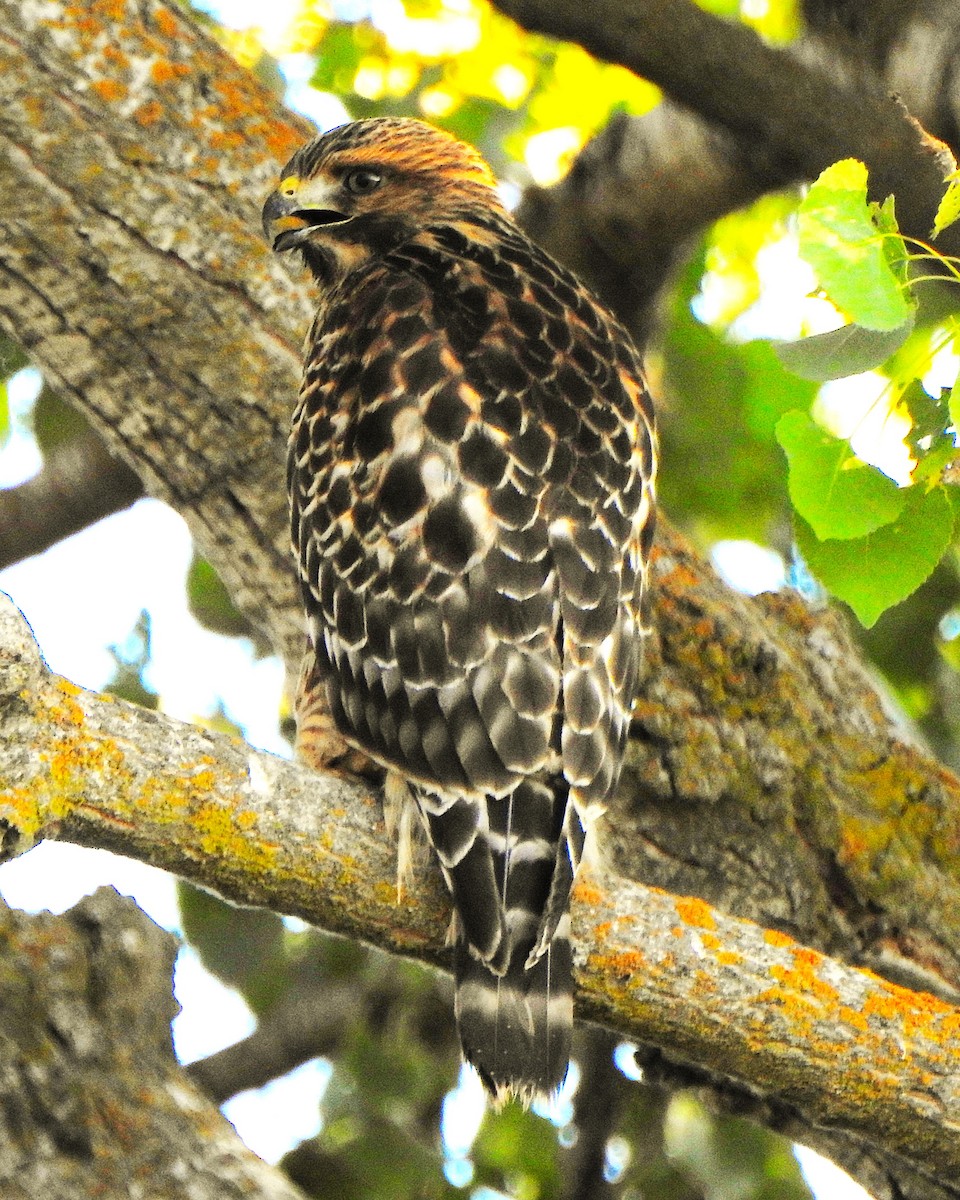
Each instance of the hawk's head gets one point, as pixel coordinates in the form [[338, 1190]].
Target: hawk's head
[[367, 186]]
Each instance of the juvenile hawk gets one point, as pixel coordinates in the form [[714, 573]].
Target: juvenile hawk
[[471, 474]]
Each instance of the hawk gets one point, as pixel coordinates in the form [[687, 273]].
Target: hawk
[[471, 478]]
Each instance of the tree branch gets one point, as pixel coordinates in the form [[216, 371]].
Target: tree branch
[[80, 483], [314, 1019], [746, 1004], [92, 1097], [793, 118], [764, 773], [137, 154]]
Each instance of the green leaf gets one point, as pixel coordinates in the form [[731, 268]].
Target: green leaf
[[894, 248], [928, 440], [841, 352], [836, 493], [949, 208], [877, 571], [840, 239], [723, 403], [953, 406], [210, 603]]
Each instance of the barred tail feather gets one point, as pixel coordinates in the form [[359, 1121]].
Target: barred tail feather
[[515, 1010], [516, 1028]]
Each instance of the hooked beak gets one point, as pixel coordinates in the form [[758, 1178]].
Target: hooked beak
[[286, 224]]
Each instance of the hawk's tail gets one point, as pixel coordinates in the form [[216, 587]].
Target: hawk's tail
[[516, 1019]]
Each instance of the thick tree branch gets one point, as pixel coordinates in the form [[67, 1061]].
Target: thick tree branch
[[135, 158], [746, 1004], [93, 1100], [792, 118]]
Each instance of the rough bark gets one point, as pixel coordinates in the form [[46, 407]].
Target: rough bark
[[765, 775], [136, 157], [833, 1046], [93, 1103]]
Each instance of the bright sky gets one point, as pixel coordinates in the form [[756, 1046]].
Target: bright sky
[[86, 593]]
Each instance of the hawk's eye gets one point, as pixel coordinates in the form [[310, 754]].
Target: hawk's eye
[[362, 181]]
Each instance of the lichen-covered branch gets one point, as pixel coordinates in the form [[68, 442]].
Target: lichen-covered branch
[[765, 775], [135, 155], [838, 1046], [93, 1100]]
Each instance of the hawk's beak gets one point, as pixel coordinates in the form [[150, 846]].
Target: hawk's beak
[[285, 222]]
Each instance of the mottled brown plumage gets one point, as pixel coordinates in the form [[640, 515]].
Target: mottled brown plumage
[[471, 485]]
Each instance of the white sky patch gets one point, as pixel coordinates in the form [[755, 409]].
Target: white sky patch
[[275, 1118], [323, 108], [548, 154], [858, 408], [195, 1034], [272, 18], [626, 1059], [748, 567], [462, 1114], [55, 876], [826, 1181], [943, 370], [426, 37]]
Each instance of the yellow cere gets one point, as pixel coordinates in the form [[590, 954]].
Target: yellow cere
[[289, 185]]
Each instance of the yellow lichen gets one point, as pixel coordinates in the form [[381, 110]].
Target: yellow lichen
[[773, 937]]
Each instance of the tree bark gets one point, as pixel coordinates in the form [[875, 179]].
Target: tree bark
[[834, 1046], [765, 775], [93, 1103]]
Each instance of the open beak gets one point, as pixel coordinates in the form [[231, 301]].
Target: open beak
[[286, 224]]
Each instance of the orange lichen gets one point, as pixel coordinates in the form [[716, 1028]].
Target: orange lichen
[[854, 1018], [625, 964], [675, 580], [110, 10], [116, 55], [165, 22], [587, 893], [802, 976], [109, 89], [164, 71], [226, 139], [695, 912]]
